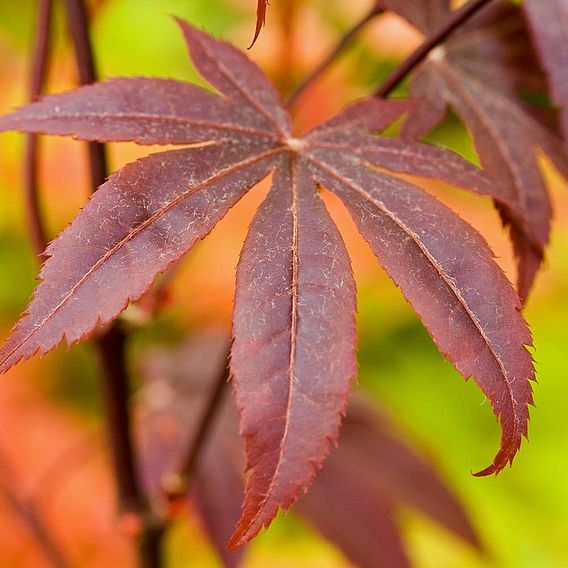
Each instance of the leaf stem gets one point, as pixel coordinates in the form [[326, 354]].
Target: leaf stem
[[111, 345], [336, 51], [416, 57], [39, 67]]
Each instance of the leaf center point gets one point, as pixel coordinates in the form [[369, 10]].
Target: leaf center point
[[437, 54], [295, 144]]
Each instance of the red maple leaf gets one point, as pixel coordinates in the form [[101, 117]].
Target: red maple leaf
[[293, 355]]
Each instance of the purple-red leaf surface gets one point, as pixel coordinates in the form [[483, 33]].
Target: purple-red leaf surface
[[142, 219], [451, 268], [485, 71], [293, 355]]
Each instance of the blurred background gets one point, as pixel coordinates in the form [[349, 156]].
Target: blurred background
[[52, 436]]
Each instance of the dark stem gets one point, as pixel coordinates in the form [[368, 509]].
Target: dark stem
[[111, 350], [111, 345], [150, 546], [78, 24], [456, 19], [177, 484], [339, 48], [39, 66], [27, 510]]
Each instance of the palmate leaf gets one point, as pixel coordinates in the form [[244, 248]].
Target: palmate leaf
[[483, 72], [293, 355], [355, 498]]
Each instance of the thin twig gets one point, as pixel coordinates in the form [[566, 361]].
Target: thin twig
[[176, 485], [401, 71], [111, 345], [39, 66], [29, 513], [339, 48]]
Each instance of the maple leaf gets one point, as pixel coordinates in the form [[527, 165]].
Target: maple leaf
[[547, 21], [355, 498], [482, 72], [293, 354]]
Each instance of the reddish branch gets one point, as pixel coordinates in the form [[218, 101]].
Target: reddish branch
[[416, 57], [111, 350], [26, 509], [78, 28]]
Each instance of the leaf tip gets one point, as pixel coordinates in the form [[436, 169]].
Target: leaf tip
[[245, 531], [486, 472], [504, 457], [260, 20]]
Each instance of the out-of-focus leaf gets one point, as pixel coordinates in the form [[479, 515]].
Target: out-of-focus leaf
[[177, 384], [345, 507], [483, 72], [422, 14], [372, 444], [353, 500]]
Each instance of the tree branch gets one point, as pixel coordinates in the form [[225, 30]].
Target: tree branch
[[39, 66], [77, 21], [416, 57], [339, 48], [111, 350]]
